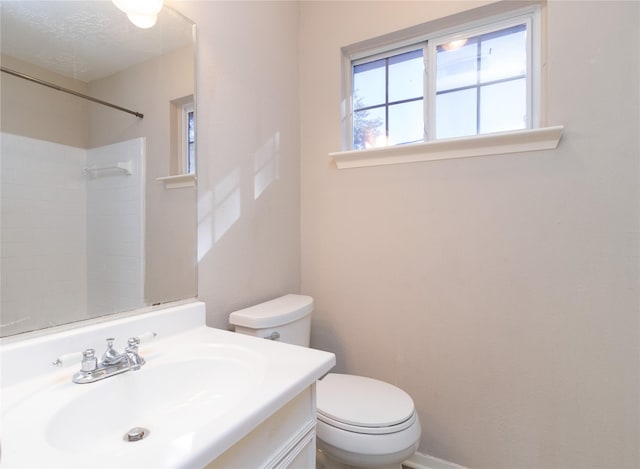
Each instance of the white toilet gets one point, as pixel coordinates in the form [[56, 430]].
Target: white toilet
[[361, 422]]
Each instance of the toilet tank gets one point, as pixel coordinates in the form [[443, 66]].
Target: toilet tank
[[286, 319]]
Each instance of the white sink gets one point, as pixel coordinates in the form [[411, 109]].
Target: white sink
[[200, 391], [166, 397]]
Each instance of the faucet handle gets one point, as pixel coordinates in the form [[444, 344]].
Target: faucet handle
[[68, 359], [132, 343], [135, 360], [89, 360], [146, 337]]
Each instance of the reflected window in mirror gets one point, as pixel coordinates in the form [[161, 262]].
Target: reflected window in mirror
[[84, 227], [183, 136], [189, 135]]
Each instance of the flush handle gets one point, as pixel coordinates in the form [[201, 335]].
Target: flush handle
[[274, 336]]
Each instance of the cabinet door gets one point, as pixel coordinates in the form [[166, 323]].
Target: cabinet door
[[278, 441], [303, 455]]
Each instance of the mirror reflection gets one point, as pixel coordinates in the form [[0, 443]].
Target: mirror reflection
[[98, 205]]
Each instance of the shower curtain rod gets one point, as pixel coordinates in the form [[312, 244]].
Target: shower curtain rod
[[67, 90]]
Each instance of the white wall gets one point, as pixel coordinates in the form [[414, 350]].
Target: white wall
[[170, 215], [72, 244], [248, 153], [500, 292], [115, 228], [36, 111], [44, 255]]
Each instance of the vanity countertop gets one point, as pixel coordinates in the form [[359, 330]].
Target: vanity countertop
[[200, 391]]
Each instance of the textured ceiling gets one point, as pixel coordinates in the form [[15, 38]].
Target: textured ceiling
[[85, 40]]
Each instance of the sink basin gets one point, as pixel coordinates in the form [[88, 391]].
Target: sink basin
[[164, 396], [180, 390], [201, 392]]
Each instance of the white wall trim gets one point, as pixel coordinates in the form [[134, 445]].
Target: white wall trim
[[424, 461], [178, 181], [518, 141]]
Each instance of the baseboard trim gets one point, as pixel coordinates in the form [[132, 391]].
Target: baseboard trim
[[424, 461]]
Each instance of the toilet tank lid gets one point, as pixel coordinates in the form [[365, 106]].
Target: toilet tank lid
[[276, 312]]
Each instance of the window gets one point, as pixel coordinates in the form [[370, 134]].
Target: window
[[183, 136], [188, 139], [388, 99], [475, 79]]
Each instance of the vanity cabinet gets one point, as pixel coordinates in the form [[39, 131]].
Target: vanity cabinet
[[210, 398], [284, 440]]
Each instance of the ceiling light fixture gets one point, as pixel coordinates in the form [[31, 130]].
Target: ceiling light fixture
[[142, 13], [453, 45]]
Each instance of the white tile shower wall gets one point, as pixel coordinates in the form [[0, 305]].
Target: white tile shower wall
[[115, 229], [43, 243]]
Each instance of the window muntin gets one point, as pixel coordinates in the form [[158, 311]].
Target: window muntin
[[481, 82], [388, 95], [477, 79]]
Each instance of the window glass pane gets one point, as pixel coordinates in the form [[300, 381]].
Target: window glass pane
[[191, 159], [406, 73], [456, 64], [456, 114], [406, 123], [369, 84], [504, 54], [482, 84], [369, 128], [503, 106]]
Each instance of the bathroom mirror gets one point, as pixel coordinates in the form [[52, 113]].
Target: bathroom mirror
[[89, 223]]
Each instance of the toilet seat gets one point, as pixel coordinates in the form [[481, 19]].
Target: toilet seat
[[363, 405], [361, 422], [364, 422], [368, 430]]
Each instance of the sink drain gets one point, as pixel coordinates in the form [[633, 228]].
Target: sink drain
[[136, 434]]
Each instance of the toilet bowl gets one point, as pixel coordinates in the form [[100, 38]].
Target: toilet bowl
[[364, 422], [361, 422]]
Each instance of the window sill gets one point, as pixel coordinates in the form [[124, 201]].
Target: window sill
[[464, 147], [178, 181]]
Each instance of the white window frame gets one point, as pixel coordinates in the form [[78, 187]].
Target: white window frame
[[179, 110], [534, 137], [384, 55], [184, 136], [532, 21]]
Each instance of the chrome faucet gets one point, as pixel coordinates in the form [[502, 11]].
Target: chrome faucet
[[112, 363], [110, 356]]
